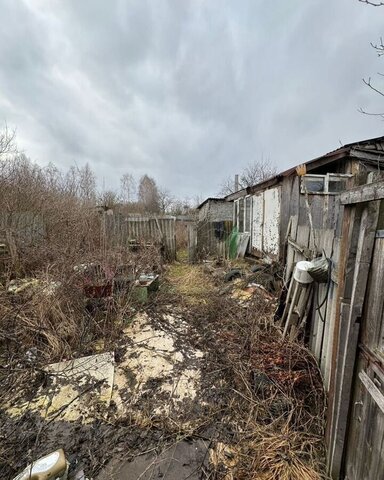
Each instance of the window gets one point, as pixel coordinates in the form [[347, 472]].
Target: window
[[330, 184], [241, 215], [235, 212], [248, 203]]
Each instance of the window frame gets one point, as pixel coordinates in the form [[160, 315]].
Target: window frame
[[327, 177]]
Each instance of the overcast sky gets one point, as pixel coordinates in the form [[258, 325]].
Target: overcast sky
[[188, 91]]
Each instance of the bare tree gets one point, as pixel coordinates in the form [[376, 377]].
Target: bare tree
[[252, 174], [87, 184], [108, 199], [379, 49], [127, 188], [7, 142], [149, 194], [166, 200]]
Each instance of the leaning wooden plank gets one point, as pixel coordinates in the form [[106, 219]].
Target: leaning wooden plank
[[365, 193], [374, 392], [348, 222]]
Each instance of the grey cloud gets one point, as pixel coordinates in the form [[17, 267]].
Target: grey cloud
[[186, 91]]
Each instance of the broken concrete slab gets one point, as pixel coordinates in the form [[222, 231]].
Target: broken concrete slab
[[77, 389], [152, 364]]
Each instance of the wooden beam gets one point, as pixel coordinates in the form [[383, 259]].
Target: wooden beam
[[374, 392], [365, 193], [365, 155], [305, 251]]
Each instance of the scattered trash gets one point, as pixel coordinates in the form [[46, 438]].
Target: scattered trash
[[21, 284], [51, 467], [48, 287], [320, 269], [31, 355], [144, 286], [232, 274]]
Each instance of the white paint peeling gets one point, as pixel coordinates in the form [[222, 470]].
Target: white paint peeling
[[266, 221]]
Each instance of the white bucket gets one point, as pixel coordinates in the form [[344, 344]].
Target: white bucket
[[301, 274]]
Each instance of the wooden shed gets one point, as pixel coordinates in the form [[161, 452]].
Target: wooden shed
[[309, 198], [334, 205]]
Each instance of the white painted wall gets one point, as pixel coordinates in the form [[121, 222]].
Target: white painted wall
[[271, 227], [257, 222], [266, 221]]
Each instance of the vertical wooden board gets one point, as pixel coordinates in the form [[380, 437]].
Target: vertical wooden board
[[330, 218], [362, 262], [314, 320], [271, 224], [343, 399], [326, 351], [303, 211], [358, 411], [257, 222], [316, 203], [302, 238], [320, 300], [340, 314], [290, 250], [373, 329], [376, 467]]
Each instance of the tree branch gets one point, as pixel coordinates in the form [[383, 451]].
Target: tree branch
[[368, 83], [361, 110], [373, 4]]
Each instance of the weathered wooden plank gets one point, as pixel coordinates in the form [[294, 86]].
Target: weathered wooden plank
[[306, 252], [290, 250], [373, 391], [365, 193], [365, 244], [326, 350], [319, 319], [348, 221], [372, 328], [377, 463]]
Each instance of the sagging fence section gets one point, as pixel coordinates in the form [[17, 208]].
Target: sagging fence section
[[151, 230]]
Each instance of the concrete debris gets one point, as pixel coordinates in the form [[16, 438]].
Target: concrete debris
[[77, 388], [154, 363]]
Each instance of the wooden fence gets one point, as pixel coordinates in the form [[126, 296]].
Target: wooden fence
[[346, 327], [123, 231], [29, 228], [209, 239]]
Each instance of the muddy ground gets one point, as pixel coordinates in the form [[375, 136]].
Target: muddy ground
[[203, 388]]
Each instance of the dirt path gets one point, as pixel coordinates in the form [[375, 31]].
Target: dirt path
[[202, 388]]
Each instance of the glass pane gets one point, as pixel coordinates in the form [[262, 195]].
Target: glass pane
[[241, 215], [248, 214], [313, 184], [336, 186]]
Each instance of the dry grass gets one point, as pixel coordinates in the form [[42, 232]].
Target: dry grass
[[190, 282], [274, 393]]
